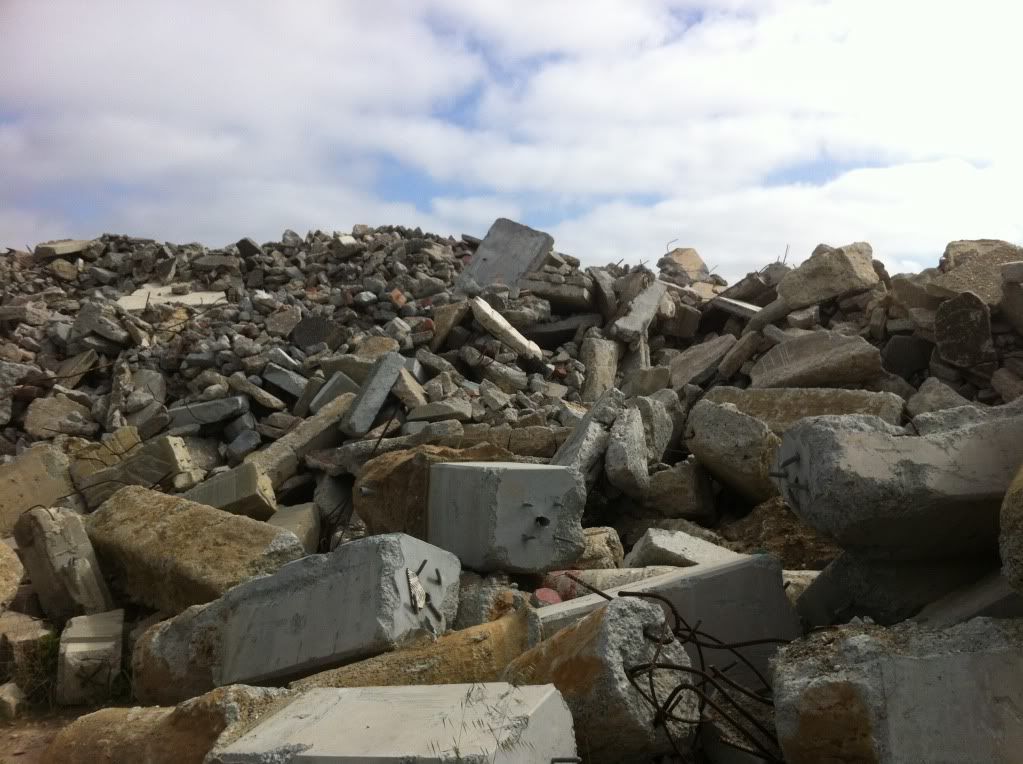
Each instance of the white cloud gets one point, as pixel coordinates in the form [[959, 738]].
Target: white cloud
[[659, 119]]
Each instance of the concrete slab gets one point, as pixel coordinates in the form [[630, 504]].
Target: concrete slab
[[435, 724], [243, 490], [358, 419], [662, 547], [818, 359], [158, 294], [507, 252], [90, 658], [303, 520], [506, 516], [360, 600]]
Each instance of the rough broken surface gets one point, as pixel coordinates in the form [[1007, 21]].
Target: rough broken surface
[[169, 553], [819, 359]]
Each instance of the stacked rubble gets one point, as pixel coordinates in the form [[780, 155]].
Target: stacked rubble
[[593, 512]]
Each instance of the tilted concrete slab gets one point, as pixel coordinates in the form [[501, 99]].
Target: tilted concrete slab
[[507, 252], [434, 724]]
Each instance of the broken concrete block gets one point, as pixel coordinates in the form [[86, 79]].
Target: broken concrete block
[[684, 490], [507, 252], [588, 663], [39, 477], [646, 381], [661, 547], [737, 449], [280, 460], [603, 549], [962, 328], [626, 458], [973, 266], [168, 553], [641, 311], [493, 722], [865, 693], [934, 395], [90, 658], [819, 359], [303, 520], [698, 363], [601, 360], [472, 655], [485, 599], [243, 386], [848, 477], [46, 418], [500, 329], [192, 732], [165, 462], [585, 447], [459, 409], [1010, 540], [829, 273], [358, 419], [242, 490], [61, 564], [360, 600], [12, 700], [208, 412], [658, 426], [338, 384], [446, 318], [504, 516], [738, 354], [780, 407]]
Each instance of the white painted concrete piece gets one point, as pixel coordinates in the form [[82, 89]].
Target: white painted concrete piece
[[495, 722]]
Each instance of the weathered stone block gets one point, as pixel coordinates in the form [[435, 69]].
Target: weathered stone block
[[90, 658]]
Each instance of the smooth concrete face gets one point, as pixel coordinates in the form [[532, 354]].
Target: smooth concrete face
[[732, 601], [506, 516], [507, 252], [494, 722], [326, 609]]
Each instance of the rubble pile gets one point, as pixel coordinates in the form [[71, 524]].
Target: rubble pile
[[385, 495]]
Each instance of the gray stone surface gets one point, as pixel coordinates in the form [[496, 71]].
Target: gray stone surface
[[243, 490], [287, 380], [820, 359], [499, 328], [677, 548], [902, 695], [684, 490], [934, 395], [829, 273], [658, 426], [165, 462], [494, 722], [600, 357], [507, 252], [505, 516], [871, 486], [962, 328], [338, 384], [588, 663], [626, 458], [89, 659], [698, 363], [584, 449], [303, 520], [208, 412], [735, 448], [320, 611], [61, 564], [456, 408], [641, 311], [358, 420]]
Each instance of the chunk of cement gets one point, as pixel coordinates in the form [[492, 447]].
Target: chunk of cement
[[89, 659], [38, 477], [588, 663], [499, 328], [584, 449], [303, 520], [287, 380], [600, 357], [736, 449], [506, 516], [684, 490], [829, 273], [781, 407], [736, 601], [934, 395], [697, 364], [662, 547], [242, 490], [358, 420], [872, 487], [494, 722], [626, 458], [641, 311], [819, 359], [902, 695], [168, 553], [208, 412], [360, 600], [338, 384], [508, 252], [61, 564]]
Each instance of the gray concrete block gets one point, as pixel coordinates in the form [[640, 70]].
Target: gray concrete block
[[507, 516], [287, 380], [242, 490], [61, 564], [303, 520], [494, 722], [817, 360], [358, 420], [626, 458], [338, 384], [600, 357], [902, 695], [697, 364], [89, 659], [584, 449], [870, 486], [662, 547], [208, 412], [641, 312], [507, 252], [735, 601], [320, 611]]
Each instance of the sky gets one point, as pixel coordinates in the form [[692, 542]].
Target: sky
[[742, 128]]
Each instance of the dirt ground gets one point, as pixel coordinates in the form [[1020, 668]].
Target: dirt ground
[[24, 740]]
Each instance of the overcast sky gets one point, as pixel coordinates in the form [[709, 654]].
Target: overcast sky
[[736, 127]]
